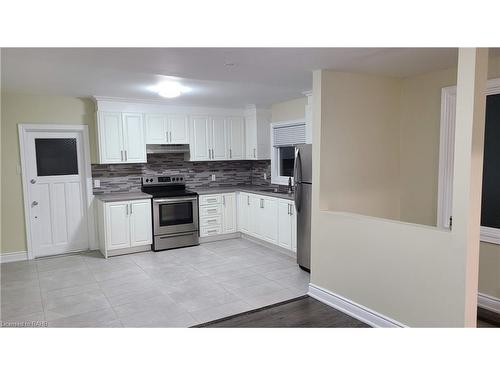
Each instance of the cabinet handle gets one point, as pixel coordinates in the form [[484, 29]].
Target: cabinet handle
[[248, 200], [170, 137], [166, 134], [230, 153], [131, 209], [212, 221], [212, 231], [212, 200], [212, 210], [288, 207], [126, 158], [121, 155], [254, 153], [261, 203], [224, 200], [127, 209]]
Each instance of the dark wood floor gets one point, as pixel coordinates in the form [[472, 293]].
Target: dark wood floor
[[487, 319], [300, 312], [307, 312]]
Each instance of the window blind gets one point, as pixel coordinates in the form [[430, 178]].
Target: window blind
[[289, 135]]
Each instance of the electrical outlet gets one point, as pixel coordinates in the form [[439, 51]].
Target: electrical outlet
[[97, 183], [213, 177], [265, 176]]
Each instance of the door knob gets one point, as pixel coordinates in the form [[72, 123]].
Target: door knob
[[33, 181], [34, 203]]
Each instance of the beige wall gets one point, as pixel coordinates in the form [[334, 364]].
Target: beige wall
[[20, 108], [420, 125], [412, 273], [290, 110], [363, 177]]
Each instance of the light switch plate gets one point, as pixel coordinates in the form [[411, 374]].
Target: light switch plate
[[97, 183], [213, 177], [265, 176]]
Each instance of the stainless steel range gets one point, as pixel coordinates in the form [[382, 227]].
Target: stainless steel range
[[175, 212]]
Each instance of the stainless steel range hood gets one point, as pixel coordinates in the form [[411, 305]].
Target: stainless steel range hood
[[167, 149]]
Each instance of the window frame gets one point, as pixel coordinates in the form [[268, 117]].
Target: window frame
[[446, 155], [276, 178]]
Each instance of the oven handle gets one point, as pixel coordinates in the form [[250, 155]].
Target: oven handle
[[172, 200]]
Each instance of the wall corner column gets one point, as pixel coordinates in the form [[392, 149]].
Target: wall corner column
[[468, 168]]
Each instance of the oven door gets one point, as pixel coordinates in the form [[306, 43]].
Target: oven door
[[175, 215]]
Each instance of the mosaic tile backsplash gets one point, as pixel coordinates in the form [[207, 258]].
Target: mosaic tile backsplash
[[117, 178]]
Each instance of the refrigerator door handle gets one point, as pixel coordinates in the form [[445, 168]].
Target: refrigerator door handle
[[297, 178]]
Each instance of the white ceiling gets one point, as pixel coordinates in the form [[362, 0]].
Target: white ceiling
[[260, 76]]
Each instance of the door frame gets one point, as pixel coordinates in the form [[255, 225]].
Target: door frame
[[446, 155], [24, 129]]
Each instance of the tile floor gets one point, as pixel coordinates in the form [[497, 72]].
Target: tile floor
[[175, 288]]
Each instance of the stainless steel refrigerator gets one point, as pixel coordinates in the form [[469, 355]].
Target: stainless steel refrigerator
[[303, 195]]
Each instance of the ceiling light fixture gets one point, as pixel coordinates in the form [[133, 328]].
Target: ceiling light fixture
[[170, 89]]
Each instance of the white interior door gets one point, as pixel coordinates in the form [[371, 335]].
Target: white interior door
[[56, 191]]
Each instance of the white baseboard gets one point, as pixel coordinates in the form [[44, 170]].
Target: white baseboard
[[488, 302], [353, 309], [269, 245], [220, 237], [15, 256]]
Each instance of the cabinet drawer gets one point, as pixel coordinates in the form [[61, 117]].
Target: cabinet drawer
[[210, 210], [210, 221], [210, 199], [210, 231]]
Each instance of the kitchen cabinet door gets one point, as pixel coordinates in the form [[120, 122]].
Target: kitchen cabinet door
[[255, 217], [156, 129], [236, 137], [117, 225], [140, 222], [134, 138], [270, 219], [110, 138], [284, 224], [218, 139], [201, 135], [178, 129], [243, 212], [229, 213]]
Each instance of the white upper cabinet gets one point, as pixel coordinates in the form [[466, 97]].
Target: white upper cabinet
[[110, 138], [218, 140], [121, 138], [258, 130], [200, 140], [156, 129], [134, 138], [178, 127], [236, 137], [167, 129]]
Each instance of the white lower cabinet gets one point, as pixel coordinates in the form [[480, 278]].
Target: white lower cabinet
[[243, 209], [124, 225], [287, 225], [229, 213], [217, 214], [268, 218]]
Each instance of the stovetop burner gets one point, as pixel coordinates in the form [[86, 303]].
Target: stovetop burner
[[166, 186]]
